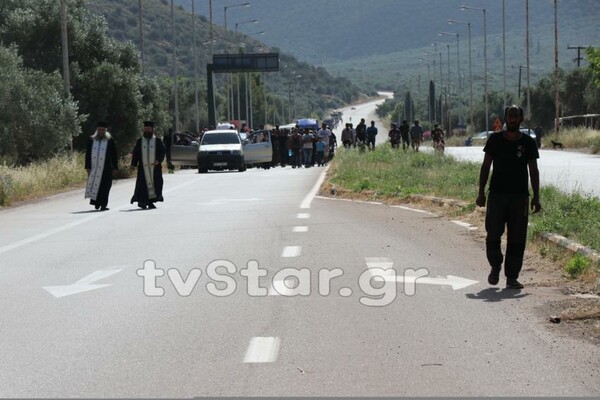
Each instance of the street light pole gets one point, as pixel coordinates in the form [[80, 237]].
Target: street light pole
[[233, 6], [457, 56], [141, 22], [451, 21], [504, 51], [230, 101], [175, 85], [556, 90], [485, 78], [196, 105], [246, 75], [528, 118], [249, 94]]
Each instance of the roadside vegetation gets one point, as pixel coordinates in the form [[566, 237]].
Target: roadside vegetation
[[393, 175], [42, 178]]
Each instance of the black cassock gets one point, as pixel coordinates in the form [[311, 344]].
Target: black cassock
[[111, 162], [141, 194]]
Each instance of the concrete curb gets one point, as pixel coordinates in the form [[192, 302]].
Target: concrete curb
[[555, 239], [438, 200], [572, 246]]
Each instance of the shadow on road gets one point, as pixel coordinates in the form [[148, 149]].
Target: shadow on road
[[85, 212], [492, 295]]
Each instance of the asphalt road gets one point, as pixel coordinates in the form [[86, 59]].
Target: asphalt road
[[79, 320]]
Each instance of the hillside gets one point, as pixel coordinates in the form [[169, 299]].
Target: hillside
[[316, 30], [322, 91]]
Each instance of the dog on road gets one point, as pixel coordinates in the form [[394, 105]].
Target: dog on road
[[556, 145]]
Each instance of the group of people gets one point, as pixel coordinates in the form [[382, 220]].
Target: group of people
[[413, 136], [360, 136], [303, 146], [101, 163]]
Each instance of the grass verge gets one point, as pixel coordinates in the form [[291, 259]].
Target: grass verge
[[43, 178]]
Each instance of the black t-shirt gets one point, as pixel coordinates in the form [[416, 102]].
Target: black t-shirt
[[510, 163]]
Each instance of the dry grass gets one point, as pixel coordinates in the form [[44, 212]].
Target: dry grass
[[43, 178], [575, 138]]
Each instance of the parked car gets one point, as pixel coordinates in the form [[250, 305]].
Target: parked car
[[482, 137], [479, 139], [220, 150], [258, 150]]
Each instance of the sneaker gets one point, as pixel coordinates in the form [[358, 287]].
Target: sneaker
[[513, 284]]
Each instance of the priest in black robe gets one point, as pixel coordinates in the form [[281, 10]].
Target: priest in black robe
[[101, 163], [147, 156]]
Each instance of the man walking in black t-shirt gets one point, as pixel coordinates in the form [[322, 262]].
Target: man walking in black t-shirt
[[511, 154]]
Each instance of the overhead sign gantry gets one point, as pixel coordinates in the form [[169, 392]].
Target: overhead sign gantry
[[235, 63]]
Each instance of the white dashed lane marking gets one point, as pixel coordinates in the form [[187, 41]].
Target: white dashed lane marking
[[300, 229], [262, 350], [291, 251]]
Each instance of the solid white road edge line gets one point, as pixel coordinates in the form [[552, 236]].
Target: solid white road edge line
[[315, 189]]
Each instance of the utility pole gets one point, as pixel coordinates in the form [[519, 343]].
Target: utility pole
[[528, 117], [175, 85], [141, 23], [578, 58], [65, 53], [556, 90], [196, 105], [504, 51]]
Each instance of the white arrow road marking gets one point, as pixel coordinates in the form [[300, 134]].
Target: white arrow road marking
[[83, 285], [465, 225], [455, 281], [410, 276], [262, 350]]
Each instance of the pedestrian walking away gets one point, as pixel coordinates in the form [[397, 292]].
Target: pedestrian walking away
[[416, 136], [512, 154], [101, 163], [167, 141], [361, 132], [437, 136], [371, 134], [348, 136], [325, 134], [394, 136], [148, 155], [404, 132]]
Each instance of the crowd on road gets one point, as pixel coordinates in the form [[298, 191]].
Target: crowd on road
[[409, 136], [303, 147]]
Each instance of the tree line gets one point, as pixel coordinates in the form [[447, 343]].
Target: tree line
[[579, 93]]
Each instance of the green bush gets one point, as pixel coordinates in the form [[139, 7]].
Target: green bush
[[577, 265]]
